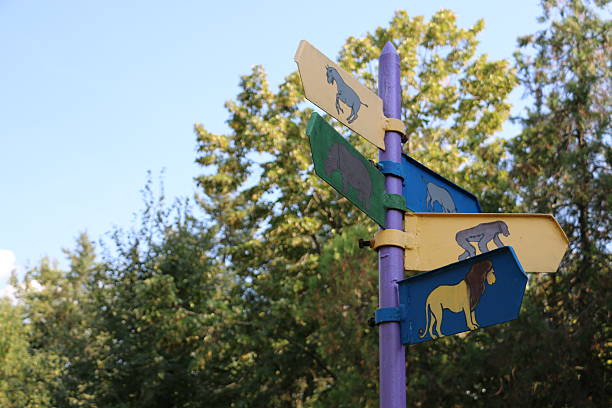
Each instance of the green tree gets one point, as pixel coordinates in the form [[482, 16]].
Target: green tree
[[149, 325], [163, 319], [562, 161], [286, 236], [25, 374], [60, 316]]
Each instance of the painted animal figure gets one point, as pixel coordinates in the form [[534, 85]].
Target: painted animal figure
[[345, 94], [483, 234], [353, 171], [437, 194], [461, 297]]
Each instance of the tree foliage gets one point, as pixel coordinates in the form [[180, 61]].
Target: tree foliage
[[260, 296], [26, 375], [61, 316], [292, 241], [563, 162]]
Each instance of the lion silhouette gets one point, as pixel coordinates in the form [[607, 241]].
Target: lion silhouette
[[463, 296]]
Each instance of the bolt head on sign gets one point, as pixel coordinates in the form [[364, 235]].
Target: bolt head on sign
[[340, 94], [464, 296]]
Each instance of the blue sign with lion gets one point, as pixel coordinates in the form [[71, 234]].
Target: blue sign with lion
[[480, 291]]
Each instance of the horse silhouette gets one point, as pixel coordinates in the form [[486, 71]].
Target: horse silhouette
[[345, 94]]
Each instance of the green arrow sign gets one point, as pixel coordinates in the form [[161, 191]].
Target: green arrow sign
[[347, 171]]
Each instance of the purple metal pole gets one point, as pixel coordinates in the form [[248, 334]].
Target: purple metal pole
[[390, 258]]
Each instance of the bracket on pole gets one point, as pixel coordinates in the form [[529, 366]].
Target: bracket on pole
[[388, 314], [393, 237], [389, 167], [394, 201], [396, 125]]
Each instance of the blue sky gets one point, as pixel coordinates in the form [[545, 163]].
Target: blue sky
[[93, 94]]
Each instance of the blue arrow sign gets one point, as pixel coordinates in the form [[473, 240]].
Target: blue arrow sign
[[477, 292], [427, 191]]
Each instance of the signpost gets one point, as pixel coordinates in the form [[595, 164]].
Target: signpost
[[436, 240], [338, 93], [473, 276], [463, 296], [377, 118]]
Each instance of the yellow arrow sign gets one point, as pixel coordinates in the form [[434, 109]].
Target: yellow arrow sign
[[438, 239], [341, 95]]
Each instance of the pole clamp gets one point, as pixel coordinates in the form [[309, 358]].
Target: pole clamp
[[388, 314], [396, 125], [391, 167], [394, 202], [393, 237]]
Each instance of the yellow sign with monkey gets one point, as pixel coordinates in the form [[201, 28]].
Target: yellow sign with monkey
[[438, 239]]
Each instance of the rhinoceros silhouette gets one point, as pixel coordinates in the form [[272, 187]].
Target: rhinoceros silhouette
[[354, 172]]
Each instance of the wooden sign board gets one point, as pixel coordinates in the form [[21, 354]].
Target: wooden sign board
[[427, 191], [345, 169], [481, 291], [441, 239], [341, 95]]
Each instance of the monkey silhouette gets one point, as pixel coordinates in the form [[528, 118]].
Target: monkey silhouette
[[483, 234]]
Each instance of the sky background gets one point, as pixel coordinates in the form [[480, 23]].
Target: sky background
[[94, 94]]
